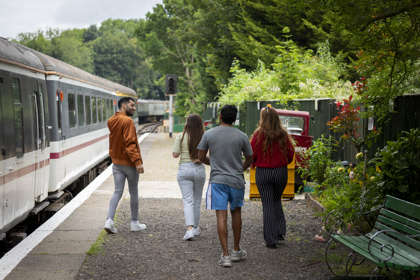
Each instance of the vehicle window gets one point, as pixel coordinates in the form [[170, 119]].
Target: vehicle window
[[2, 144], [87, 109], [18, 116], [94, 114], [100, 108], [294, 125], [80, 110], [72, 109]]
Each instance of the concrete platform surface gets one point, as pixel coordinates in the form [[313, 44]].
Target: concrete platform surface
[[61, 254]]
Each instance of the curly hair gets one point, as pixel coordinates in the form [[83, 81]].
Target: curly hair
[[270, 126], [194, 128]]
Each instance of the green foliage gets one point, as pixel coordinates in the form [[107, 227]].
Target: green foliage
[[112, 51], [295, 74], [381, 39], [399, 166], [318, 159]]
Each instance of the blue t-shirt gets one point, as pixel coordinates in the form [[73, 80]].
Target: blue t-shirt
[[226, 144]]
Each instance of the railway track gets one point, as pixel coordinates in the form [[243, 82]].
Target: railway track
[[18, 233]]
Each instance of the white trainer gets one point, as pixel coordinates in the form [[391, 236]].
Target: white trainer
[[196, 231], [237, 256], [225, 261], [109, 226], [136, 226], [189, 234]]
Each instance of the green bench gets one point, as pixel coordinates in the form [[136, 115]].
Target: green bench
[[394, 241]]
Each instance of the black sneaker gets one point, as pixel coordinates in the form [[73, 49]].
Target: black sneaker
[[271, 246]]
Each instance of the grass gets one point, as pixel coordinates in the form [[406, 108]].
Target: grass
[[97, 247]]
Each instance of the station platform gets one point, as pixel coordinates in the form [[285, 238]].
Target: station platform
[[78, 247]]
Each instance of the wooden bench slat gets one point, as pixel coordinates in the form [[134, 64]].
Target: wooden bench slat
[[359, 244], [405, 229], [407, 208], [404, 220], [400, 236], [400, 248]]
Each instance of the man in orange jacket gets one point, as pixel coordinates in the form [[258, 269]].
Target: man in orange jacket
[[124, 151]]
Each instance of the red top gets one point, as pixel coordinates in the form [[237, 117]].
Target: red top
[[276, 158]]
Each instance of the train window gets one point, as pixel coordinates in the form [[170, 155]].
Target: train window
[[58, 99], [101, 109], [39, 120], [94, 114], [3, 150], [99, 104], [80, 110], [109, 108], [72, 109], [87, 110], [18, 114]]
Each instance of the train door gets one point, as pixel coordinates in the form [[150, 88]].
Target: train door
[[2, 149], [40, 141], [13, 144]]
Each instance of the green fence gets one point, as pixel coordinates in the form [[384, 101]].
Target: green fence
[[405, 115]]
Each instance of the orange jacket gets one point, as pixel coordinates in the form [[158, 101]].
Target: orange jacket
[[124, 148]]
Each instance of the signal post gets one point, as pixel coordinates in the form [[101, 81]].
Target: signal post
[[171, 91]]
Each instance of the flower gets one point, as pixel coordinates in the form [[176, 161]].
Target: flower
[[359, 155]]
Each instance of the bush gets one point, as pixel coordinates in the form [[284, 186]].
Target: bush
[[399, 167], [318, 159]]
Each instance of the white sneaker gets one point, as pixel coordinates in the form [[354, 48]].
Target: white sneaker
[[237, 256], [109, 226], [136, 226], [189, 234], [225, 261], [196, 231]]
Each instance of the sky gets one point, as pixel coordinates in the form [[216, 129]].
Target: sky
[[21, 16]]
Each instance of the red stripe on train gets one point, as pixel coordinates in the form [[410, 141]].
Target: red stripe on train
[[76, 148], [23, 171]]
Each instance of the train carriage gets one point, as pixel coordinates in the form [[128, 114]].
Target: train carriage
[[24, 141], [52, 127], [80, 105]]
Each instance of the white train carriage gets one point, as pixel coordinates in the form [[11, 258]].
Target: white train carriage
[[52, 127], [24, 142], [151, 110], [81, 105]]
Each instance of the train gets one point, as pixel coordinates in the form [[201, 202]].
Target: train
[[151, 110], [53, 128]]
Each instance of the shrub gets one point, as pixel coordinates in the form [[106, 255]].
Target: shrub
[[399, 167], [318, 159]]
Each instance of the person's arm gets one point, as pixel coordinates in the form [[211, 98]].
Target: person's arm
[[290, 151], [202, 156], [247, 151], [176, 151], [247, 163], [254, 148], [131, 145]]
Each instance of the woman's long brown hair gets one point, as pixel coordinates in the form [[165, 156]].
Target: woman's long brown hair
[[270, 126], [194, 128]]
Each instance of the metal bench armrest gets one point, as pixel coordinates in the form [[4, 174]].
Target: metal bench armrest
[[383, 246], [330, 229]]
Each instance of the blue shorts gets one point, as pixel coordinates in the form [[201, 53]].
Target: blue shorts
[[218, 196]]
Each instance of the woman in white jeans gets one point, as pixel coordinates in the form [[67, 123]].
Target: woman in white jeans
[[191, 173]]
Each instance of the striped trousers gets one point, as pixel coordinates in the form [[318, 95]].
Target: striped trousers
[[271, 183]]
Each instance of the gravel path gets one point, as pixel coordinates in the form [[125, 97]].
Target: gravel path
[[160, 253]]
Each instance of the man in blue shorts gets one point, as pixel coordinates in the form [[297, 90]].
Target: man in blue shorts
[[226, 144]]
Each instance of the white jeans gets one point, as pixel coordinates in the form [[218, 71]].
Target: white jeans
[[191, 178]]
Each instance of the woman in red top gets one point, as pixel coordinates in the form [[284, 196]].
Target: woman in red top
[[272, 151]]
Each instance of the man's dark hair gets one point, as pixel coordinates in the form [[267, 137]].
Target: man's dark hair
[[228, 114], [125, 100]]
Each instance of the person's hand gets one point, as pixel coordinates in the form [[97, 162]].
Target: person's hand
[[197, 161], [140, 168]]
